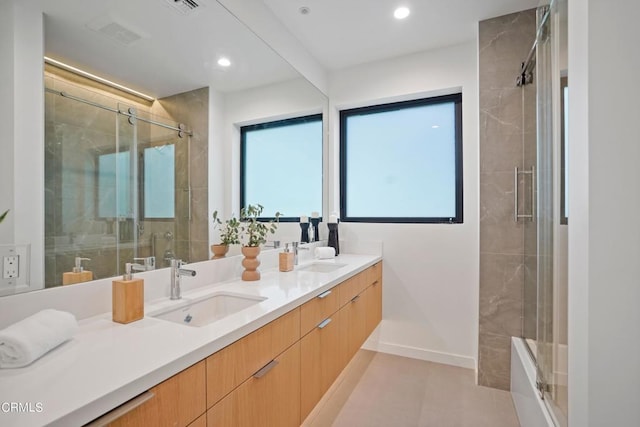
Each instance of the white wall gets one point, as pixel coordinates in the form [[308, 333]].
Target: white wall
[[22, 123], [278, 101], [6, 119], [430, 270], [604, 233]]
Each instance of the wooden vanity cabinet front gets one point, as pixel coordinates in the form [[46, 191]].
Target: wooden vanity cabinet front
[[269, 398], [234, 364], [175, 402], [321, 361], [272, 377]]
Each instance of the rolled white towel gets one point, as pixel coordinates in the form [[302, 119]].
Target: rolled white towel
[[27, 340], [325, 252]]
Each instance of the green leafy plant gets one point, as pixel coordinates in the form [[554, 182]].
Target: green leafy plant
[[2, 217], [254, 231], [229, 229]]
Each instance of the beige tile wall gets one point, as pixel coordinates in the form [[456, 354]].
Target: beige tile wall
[[504, 43]]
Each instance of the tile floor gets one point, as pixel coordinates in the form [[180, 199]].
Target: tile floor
[[378, 389]]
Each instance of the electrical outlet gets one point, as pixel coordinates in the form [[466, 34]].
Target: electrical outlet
[[11, 267], [14, 262]]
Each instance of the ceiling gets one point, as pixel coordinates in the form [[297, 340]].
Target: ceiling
[[178, 52], [175, 52], [342, 33]]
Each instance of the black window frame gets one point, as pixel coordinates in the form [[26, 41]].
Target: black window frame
[[395, 106], [243, 157]]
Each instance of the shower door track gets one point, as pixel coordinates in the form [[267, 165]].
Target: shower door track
[[180, 128]]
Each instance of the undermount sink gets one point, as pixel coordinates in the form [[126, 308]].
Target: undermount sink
[[321, 267], [209, 309]]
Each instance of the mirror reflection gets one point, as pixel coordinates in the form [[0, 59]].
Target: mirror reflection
[[117, 180], [135, 165]]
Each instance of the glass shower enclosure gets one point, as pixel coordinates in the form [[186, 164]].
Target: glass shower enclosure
[[116, 183], [540, 207]]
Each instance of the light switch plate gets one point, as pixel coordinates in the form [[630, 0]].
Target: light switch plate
[[14, 261]]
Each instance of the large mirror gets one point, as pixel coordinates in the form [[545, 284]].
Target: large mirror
[[134, 165]]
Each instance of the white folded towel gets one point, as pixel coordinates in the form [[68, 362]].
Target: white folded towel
[[29, 339], [325, 252]]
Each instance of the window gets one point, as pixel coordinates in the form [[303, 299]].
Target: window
[[156, 188], [114, 185], [159, 182], [281, 166], [402, 162]]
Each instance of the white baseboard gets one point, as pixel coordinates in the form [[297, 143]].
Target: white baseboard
[[419, 353]]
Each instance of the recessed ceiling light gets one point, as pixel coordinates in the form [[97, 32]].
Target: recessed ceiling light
[[435, 127], [401, 12], [304, 10], [224, 62]]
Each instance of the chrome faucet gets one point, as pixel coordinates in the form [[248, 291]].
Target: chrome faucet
[[296, 248], [176, 272], [274, 244], [148, 263]]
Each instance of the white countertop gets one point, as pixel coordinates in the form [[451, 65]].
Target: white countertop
[[107, 363]]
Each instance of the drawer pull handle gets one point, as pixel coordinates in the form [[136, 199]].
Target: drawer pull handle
[[377, 282], [324, 323], [356, 298], [324, 294], [122, 410], [265, 369]]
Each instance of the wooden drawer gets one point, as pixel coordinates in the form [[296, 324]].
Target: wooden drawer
[[270, 398], [177, 401], [374, 306], [354, 325], [229, 367], [352, 287], [374, 273], [316, 310]]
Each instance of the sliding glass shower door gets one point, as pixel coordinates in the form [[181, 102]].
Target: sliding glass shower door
[[117, 184], [545, 253]]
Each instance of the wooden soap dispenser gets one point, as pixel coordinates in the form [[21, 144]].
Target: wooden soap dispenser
[[128, 298], [286, 259], [77, 274]]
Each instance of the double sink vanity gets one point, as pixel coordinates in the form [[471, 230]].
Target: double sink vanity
[[230, 353]]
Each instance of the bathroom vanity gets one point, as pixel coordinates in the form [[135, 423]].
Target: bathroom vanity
[[266, 364]]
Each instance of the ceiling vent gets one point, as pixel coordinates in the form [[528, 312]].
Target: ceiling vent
[[107, 26], [184, 6]]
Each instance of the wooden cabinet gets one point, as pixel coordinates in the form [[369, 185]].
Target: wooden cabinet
[[354, 329], [270, 398], [316, 310], [373, 303], [177, 401], [352, 287], [275, 375], [321, 361], [201, 421], [231, 366]]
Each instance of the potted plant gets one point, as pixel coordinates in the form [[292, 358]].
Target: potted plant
[[254, 234], [229, 235]]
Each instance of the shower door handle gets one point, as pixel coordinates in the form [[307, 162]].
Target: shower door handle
[[533, 194], [516, 190], [516, 194]]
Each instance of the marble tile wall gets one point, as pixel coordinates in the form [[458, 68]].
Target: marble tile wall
[[193, 234], [504, 43]]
